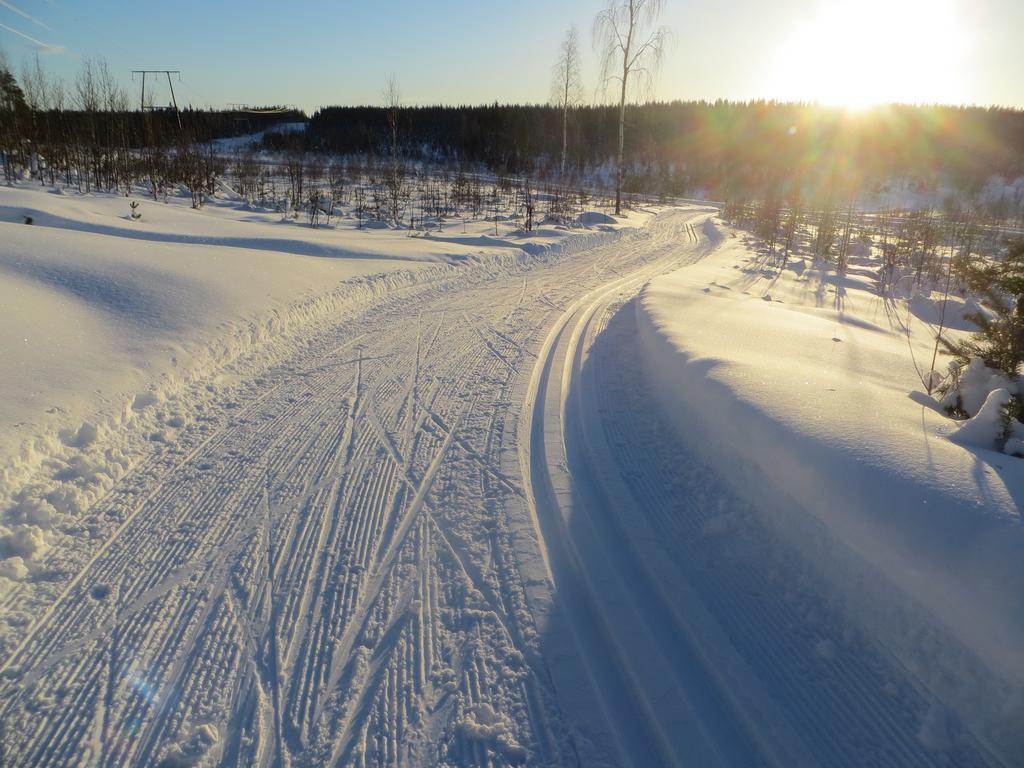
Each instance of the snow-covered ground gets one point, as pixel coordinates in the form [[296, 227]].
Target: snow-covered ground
[[229, 145], [421, 501], [803, 387], [322, 387], [97, 309], [120, 332]]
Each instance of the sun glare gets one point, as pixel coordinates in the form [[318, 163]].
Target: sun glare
[[858, 53]]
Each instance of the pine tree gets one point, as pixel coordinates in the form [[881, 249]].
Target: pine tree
[[12, 120], [1000, 338], [12, 99]]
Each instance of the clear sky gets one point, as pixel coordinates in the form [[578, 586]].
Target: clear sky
[[478, 51]]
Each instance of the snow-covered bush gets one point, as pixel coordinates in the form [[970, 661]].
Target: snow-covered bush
[[994, 356], [968, 386], [988, 427]]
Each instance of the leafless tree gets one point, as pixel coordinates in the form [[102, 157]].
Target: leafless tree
[[336, 182], [35, 86], [396, 196], [526, 203], [58, 103], [117, 162], [396, 190], [197, 168], [393, 103], [631, 49], [495, 200], [246, 171], [567, 84], [314, 204], [295, 169], [88, 99], [360, 203]]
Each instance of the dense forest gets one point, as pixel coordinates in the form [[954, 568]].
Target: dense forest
[[718, 148]]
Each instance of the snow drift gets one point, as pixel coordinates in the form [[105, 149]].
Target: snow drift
[[795, 384]]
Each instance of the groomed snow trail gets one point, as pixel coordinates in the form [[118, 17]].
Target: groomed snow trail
[[451, 531], [707, 639], [325, 571]]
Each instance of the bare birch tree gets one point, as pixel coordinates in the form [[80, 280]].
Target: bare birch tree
[[393, 103], [631, 49], [394, 181], [34, 85], [567, 84]]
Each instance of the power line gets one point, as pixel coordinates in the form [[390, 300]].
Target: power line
[[252, 110], [168, 73]]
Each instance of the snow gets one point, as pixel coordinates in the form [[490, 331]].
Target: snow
[[1015, 444], [250, 140], [23, 542], [118, 333], [975, 385], [801, 386], [419, 500], [482, 723], [13, 568], [192, 751], [106, 322], [593, 218], [984, 428]]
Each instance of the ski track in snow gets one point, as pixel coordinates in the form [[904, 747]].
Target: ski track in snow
[[450, 532]]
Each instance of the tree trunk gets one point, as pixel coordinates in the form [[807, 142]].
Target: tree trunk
[[621, 170], [565, 127]]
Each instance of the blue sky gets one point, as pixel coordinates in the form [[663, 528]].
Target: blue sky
[[461, 51]]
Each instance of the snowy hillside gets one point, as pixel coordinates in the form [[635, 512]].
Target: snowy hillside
[[801, 387]]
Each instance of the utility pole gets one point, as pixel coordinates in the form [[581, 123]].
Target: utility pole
[[168, 73]]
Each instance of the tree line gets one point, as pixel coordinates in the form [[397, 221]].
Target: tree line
[[721, 149], [86, 133]]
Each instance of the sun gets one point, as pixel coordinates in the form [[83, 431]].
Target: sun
[[858, 53]]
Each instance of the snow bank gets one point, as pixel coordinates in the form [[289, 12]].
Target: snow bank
[[593, 218], [799, 386]]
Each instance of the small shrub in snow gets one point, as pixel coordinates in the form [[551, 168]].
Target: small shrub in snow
[[968, 386], [1000, 339], [987, 428], [997, 352], [990, 403]]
